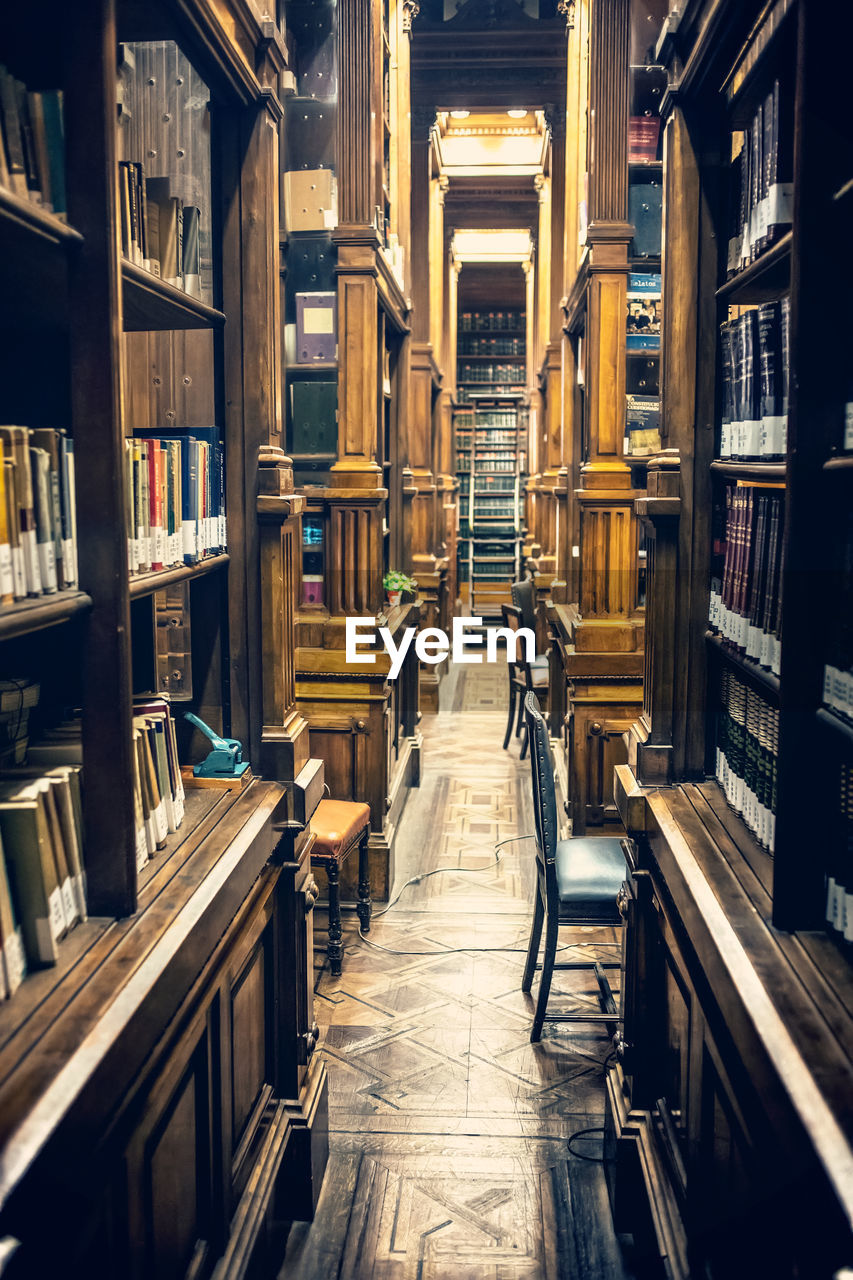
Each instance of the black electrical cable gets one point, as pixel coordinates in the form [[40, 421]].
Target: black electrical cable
[[583, 1133]]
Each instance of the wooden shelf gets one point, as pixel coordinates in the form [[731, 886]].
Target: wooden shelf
[[757, 859], [829, 720], [765, 279], [634, 353], [20, 215], [25, 616], [772, 471], [515, 356], [145, 584], [844, 462], [316, 366], [647, 166], [757, 675], [150, 304]]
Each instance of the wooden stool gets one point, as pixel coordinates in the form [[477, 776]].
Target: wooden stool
[[338, 826]]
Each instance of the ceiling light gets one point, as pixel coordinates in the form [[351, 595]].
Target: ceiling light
[[459, 115], [516, 114]]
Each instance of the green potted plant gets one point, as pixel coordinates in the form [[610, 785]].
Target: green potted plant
[[395, 583]]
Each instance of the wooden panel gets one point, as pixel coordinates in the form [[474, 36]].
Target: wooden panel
[[250, 1012]]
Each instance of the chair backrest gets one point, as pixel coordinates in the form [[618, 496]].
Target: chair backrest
[[544, 794], [524, 597], [511, 618]]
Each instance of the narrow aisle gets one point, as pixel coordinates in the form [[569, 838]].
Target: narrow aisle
[[447, 1127]]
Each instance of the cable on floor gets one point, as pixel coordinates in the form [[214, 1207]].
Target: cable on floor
[[584, 1133], [393, 951]]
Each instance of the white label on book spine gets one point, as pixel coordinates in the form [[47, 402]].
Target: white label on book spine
[[7, 576], [848, 425], [780, 204], [772, 429], [47, 565], [141, 848], [726, 441], [752, 437], [742, 632], [753, 642], [158, 544], [762, 216], [733, 256], [765, 649], [69, 902], [32, 571], [169, 809], [224, 534], [13, 960], [68, 579], [18, 574], [57, 913], [776, 656], [848, 917], [188, 533], [830, 897], [161, 827], [828, 684]]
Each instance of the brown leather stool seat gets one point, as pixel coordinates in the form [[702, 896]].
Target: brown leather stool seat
[[338, 826]]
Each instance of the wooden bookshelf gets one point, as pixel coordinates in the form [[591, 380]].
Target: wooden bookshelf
[[104, 1049], [144, 584], [760, 676], [763, 280], [150, 304], [26, 616]]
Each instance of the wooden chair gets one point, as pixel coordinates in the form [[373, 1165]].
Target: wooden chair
[[577, 883], [524, 677], [338, 826]]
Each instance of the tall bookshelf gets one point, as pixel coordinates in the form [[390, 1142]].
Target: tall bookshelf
[[738, 768], [108, 347], [494, 494]]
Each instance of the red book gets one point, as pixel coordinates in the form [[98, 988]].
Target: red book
[[643, 134], [155, 502]]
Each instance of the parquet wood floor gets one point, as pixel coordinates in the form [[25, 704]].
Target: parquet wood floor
[[448, 1128]]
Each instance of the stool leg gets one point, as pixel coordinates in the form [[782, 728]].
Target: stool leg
[[535, 939], [363, 905], [335, 947], [545, 980]]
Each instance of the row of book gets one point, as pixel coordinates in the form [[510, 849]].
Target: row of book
[[746, 586], [839, 879], [493, 464], [754, 363], [464, 393], [32, 144], [490, 320], [761, 190], [747, 754], [507, 346], [158, 231], [158, 788], [176, 498], [838, 671], [491, 506], [644, 311], [42, 880], [38, 513], [495, 436], [504, 418], [497, 374]]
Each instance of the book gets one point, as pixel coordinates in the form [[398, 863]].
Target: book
[[644, 314], [643, 136], [13, 963], [642, 425], [744, 607], [746, 754], [32, 871], [16, 441], [45, 531], [12, 136]]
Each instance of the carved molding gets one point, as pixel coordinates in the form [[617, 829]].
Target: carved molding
[[567, 8], [411, 9]]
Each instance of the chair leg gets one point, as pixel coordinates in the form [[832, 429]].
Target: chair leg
[[519, 724], [363, 905], [335, 947], [545, 980], [523, 751], [535, 939], [511, 716]]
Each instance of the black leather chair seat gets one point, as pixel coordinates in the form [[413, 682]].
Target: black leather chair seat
[[590, 872]]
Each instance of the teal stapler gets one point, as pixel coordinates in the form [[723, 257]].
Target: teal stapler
[[226, 758]]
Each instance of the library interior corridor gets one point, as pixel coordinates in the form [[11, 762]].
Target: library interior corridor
[[426, 640]]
